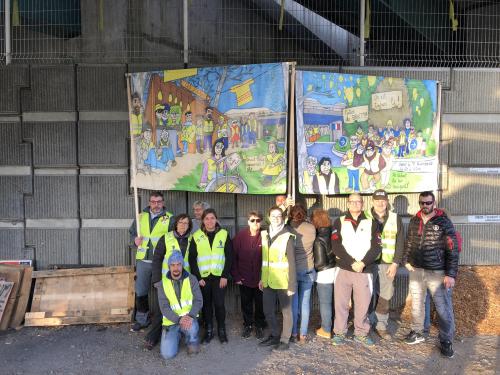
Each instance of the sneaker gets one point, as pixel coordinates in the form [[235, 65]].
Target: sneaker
[[293, 339], [322, 333], [259, 333], [414, 338], [303, 339], [270, 341], [447, 349], [338, 340], [247, 331], [282, 346], [365, 340], [149, 345], [136, 327]]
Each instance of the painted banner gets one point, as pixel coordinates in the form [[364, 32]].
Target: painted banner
[[216, 129], [358, 133]]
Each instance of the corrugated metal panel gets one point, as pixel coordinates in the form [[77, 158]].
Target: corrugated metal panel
[[12, 152], [247, 203], [105, 246], [11, 79], [52, 89], [481, 244], [222, 203], [53, 246], [473, 144], [464, 189], [54, 144], [229, 225], [12, 243], [102, 88], [175, 201], [12, 189], [53, 197], [103, 143], [401, 289], [473, 91], [105, 197], [437, 74]]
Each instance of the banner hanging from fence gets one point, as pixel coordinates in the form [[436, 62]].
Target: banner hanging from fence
[[216, 129], [358, 133]]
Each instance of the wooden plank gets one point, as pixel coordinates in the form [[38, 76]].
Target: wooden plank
[[33, 322], [5, 291], [12, 274], [23, 297], [82, 271], [86, 296]]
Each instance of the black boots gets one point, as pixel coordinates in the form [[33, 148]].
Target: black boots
[[222, 335], [209, 334]]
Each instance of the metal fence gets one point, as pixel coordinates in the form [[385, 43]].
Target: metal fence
[[312, 32]]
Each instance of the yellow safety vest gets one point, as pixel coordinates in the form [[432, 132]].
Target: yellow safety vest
[[210, 260], [136, 122], [182, 307], [208, 126], [388, 237], [171, 245], [272, 167], [160, 229], [274, 261]]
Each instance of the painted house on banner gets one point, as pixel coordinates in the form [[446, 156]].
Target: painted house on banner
[[322, 123]]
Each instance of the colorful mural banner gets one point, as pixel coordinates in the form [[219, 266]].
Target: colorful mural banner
[[214, 129], [358, 133]]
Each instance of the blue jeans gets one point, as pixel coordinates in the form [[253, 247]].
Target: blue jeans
[[325, 294], [422, 280], [302, 300], [171, 336]]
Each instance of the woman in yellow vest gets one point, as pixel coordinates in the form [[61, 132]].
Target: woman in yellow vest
[[180, 301], [210, 261], [278, 278], [176, 240]]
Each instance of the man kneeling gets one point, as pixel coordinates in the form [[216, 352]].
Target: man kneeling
[[180, 300]]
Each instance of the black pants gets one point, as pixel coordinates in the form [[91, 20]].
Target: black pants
[[213, 298], [249, 297], [270, 298]]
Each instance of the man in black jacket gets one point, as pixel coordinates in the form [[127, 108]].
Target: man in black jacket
[[431, 256]]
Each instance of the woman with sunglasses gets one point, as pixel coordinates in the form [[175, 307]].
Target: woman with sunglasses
[[247, 261]]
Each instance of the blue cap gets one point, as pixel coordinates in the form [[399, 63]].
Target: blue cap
[[175, 257]]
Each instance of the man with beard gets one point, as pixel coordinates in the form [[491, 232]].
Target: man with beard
[[373, 163], [180, 301], [325, 182], [431, 255]]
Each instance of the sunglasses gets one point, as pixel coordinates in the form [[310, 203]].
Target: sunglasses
[[422, 203], [255, 220]]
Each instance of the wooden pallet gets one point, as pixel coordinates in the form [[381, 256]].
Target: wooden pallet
[[15, 308], [82, 296]]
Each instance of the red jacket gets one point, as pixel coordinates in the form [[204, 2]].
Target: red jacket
[[247, 258]]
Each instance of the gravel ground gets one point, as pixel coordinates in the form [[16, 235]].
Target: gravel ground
[[113, 349]]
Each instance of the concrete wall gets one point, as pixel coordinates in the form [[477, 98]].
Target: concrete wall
[[64, 158]]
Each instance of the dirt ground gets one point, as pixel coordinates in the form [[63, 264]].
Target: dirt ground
[[113, 349]]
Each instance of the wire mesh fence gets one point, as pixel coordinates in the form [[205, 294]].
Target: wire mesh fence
[[430, 33]]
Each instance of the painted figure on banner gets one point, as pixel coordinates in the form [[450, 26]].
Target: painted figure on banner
[[274, 166], [136, 115], [325, 181]]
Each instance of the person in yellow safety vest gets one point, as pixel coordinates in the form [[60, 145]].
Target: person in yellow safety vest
[[180, 301], [356, 245], [208, 129], [392, 241], [154, 222], [278, 279], [210, 254], [136, 115], [176, 240]]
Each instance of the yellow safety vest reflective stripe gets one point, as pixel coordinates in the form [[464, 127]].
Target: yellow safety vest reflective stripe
[[182, 307], [159, 230], [210, 260], [275, 261], [171, 245]]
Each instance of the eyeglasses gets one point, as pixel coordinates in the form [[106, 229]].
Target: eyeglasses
[[426, 203], [255, 220], [355, 202]]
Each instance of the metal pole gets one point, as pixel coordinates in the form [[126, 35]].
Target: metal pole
[[8, 52], [186, 29], [362, 33]]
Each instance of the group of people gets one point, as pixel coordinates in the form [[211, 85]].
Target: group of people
[[189, 262]]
